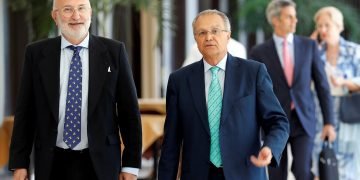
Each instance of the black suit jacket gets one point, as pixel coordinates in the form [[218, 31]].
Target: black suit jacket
[[112, 107]]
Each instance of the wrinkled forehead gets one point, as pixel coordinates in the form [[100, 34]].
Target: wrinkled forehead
[[74, 3], [209, 21]]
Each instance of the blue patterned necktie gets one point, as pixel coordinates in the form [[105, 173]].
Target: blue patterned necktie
[[72, 124], [214, 113]]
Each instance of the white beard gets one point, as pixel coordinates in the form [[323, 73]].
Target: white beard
[[71, 33]]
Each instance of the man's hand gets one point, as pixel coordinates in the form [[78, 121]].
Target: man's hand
[[127, 176], [21, 174], [328, 131], [264, 157]]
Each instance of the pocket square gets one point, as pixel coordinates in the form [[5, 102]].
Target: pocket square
[[109, 70]]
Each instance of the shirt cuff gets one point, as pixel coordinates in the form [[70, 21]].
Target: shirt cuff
[[134, 171]]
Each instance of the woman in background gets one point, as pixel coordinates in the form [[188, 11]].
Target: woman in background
[[342, 65]]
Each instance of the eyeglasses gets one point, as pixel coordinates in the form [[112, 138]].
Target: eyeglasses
[[214, 32], [68, 11]]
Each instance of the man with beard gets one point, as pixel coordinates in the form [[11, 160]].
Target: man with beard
[[77, 93]]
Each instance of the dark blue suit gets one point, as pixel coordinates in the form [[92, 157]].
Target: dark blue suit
[[307, 68], [248, 104]]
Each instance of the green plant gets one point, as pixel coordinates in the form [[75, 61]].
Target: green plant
[[40, 24], [253, 14]]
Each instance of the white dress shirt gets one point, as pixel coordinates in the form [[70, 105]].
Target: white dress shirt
[[66, 55], [65, 59], [279, 47]]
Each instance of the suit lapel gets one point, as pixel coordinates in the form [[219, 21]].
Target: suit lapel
[[228, 94], [234, 85], [98, 66], [275, 63], [297, 53], [49, 68], [197, 87]]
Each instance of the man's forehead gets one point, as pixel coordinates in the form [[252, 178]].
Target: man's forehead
[[209, 21], [72, 2]]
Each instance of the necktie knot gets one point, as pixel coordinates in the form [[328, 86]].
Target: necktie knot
[[284, 42], [214, 70], [76, 49]]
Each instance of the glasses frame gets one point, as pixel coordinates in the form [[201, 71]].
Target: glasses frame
[[68, 11], [214, 32]]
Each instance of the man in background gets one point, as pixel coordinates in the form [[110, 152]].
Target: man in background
[[293, 63]]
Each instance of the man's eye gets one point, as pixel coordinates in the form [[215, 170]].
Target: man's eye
[[67, 10], [81, 9], [202, 33], [215, 31]]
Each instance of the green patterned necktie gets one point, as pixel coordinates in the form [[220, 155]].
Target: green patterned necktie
[[214, 113]]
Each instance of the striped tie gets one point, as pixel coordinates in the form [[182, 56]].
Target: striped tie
[[214, 113]]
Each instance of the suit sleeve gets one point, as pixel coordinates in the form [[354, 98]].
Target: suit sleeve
[[23, 130], [273, 119], [171, 146], [322, 86], [128, 110]]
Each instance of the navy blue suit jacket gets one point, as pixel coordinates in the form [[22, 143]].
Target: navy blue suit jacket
[[248, 104], [308, 67]]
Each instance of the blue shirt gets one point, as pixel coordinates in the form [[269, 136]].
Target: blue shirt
[[348, 62]]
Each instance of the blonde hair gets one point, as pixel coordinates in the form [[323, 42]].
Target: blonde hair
[[334, 14]]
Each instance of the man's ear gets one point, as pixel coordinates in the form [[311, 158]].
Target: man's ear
[[274, 21], [54, 17]]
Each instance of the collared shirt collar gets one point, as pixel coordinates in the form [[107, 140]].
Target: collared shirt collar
[[279, 40], [85, 43], [221, 64]]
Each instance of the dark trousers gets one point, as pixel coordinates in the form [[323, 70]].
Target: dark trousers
[[301, 148], [72, 165], [216, 173]]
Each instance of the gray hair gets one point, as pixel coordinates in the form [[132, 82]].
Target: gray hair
[[274, 8], [211, 12], [54, 4], [334, 14]]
